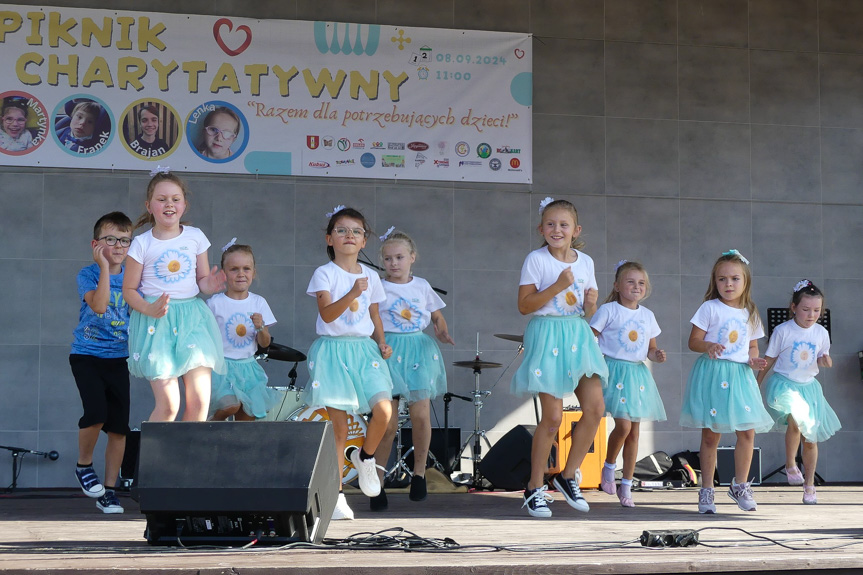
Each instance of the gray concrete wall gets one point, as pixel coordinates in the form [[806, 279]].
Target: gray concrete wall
[[679, 128]]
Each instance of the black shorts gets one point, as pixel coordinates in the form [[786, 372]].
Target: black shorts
[[103, 384]]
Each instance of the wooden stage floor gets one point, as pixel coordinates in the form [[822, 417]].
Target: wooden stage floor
[[63, 532]]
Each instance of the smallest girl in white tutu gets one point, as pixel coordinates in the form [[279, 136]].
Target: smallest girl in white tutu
[[243, 318], [172, 332], [416, 365], [796, 350], [627, 336]]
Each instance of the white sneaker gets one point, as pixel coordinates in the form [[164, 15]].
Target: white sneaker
[[705, 500], [742, 494], [342, 511], [367, 472]]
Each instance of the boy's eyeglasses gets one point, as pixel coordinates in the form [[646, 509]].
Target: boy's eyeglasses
[[342, 232], [226, 134], [112, 241]]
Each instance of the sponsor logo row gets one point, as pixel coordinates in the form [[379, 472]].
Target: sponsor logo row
[[462, 149]]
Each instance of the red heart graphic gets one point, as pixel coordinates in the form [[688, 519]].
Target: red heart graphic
[[519, 53], [217, 34]]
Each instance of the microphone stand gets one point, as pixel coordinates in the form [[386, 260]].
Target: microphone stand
[[20, 452]]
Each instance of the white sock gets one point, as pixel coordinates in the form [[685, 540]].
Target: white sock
[[625, 481], [608, 465]]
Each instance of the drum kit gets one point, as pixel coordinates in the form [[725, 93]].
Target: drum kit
[[292, 408]]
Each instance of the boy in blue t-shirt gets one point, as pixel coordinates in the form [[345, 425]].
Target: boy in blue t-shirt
[[98, 359]]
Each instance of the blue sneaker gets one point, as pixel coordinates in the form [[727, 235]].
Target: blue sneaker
[[89, 481], [109, 503]]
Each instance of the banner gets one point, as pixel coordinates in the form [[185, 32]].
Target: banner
[[88, 88]]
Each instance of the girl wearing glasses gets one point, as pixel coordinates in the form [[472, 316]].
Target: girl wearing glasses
[[221, 128], [347, 371]]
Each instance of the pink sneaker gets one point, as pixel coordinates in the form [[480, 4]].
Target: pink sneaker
[[809, 497], [794, 476], [607, 481], [624, 493]]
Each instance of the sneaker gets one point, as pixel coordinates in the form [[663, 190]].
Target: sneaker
[[607, 482], [367, 472], [624, 493], [380, 502], [705, 500], [794, 476], [109, 503], [534, 500], [89, 481], [742, 494], [342, 511], [809, 497], [418, 488], [571, 491]]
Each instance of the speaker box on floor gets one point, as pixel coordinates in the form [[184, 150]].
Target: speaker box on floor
[[507, 464], [725, 465], [436, 447], [228, 483]]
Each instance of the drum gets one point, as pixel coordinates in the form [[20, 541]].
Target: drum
[[287, 403], [356, 434]]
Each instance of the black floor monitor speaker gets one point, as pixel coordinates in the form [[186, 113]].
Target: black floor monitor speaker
[[507, 464], [231, 483]]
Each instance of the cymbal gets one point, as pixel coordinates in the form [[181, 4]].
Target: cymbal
[[476, 364], [510, 337], [280, 353]]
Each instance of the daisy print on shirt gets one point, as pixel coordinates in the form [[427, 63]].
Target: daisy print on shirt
[[570, 301], [173, 266], [406, 316], [733, 335], [239, 330], [631, 336], [357, 309], [803, 354]]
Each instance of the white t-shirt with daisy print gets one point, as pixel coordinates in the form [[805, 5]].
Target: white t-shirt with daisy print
[[354, 321], [169, 266], [624, 333], [729, 326], [409, 306], [797, 350], [542, 269], [235, 324]]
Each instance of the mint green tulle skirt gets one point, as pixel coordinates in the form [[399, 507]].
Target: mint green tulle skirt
[[170, 346], [804, 402]]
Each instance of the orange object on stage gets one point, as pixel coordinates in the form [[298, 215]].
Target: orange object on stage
[[591, 467]]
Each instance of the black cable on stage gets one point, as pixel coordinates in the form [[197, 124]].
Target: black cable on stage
[[400, 539], [771, 541]]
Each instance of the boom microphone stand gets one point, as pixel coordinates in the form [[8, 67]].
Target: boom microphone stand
[[20, 452]]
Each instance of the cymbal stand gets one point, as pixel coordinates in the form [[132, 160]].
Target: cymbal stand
[[478, 434], [447, 399], [399, 467]]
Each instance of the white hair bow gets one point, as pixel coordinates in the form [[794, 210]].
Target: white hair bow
[[336, 210]]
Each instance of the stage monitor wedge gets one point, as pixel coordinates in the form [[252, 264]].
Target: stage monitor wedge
[[226, 483]]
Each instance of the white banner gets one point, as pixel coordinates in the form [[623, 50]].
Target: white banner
[[87, 88]]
